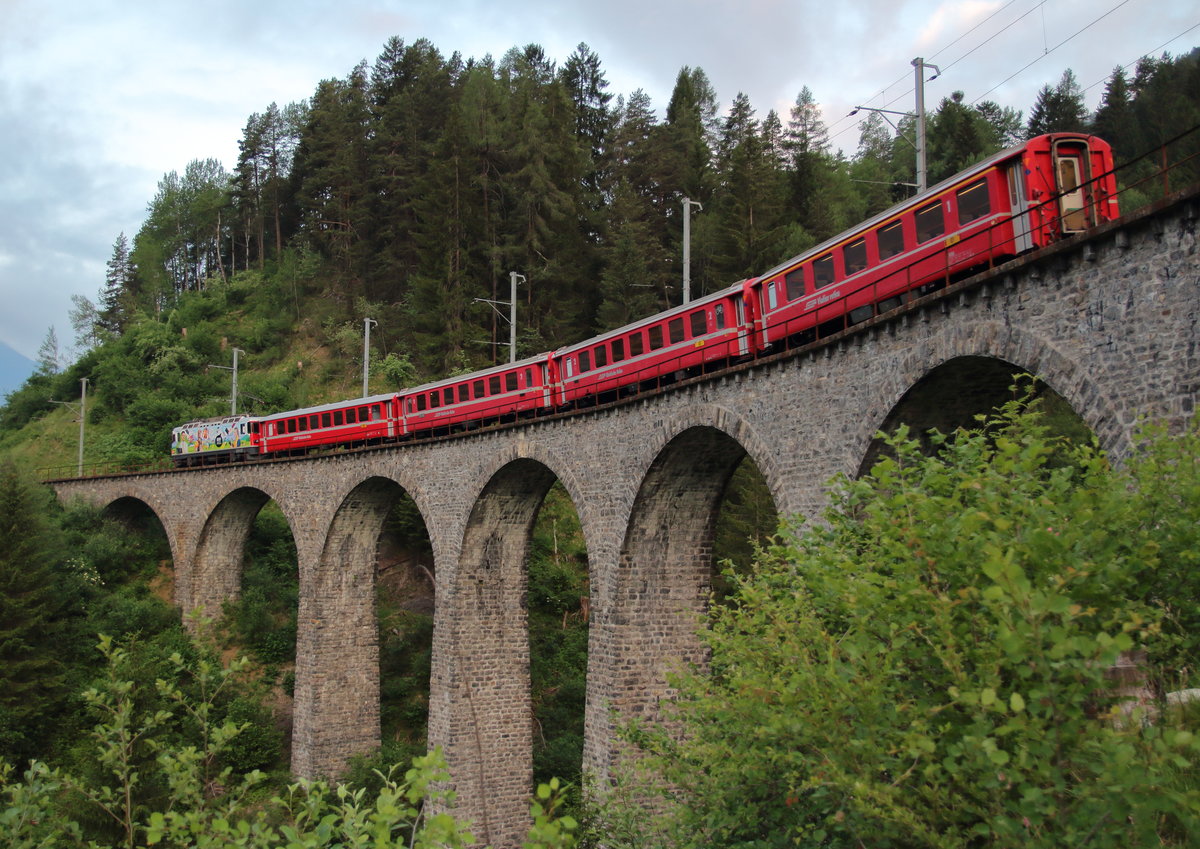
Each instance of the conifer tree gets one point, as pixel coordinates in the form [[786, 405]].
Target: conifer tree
[[112, 312], [1059, 109], [31, 675]]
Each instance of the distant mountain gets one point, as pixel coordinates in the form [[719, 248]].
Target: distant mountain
[[14, 368]]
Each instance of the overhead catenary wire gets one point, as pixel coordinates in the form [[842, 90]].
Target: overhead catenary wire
[[1069, 38], [846, 124]]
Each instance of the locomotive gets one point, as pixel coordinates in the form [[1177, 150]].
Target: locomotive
[[1023, 198]]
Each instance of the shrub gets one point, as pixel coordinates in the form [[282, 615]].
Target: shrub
[[928, 667]]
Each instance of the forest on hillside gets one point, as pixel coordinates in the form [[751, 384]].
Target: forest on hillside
[[408, 190], [415, 184]]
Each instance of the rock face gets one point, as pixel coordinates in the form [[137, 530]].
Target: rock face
[[1109, 323]]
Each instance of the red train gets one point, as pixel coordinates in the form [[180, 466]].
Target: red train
[[1018, 200]]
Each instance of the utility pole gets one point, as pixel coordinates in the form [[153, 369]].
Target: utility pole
[[82, 409], [918, 118], [367, 322], [513, 278], [688, 203], [233, 396], [83, 382], [919, 66]]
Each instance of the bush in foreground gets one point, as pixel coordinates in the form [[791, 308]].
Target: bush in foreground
[[929, 667]]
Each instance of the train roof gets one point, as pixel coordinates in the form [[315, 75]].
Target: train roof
[[682, 309], [478, 375], [239, 417], [336, 405]]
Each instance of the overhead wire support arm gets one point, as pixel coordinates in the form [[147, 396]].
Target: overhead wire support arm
[[514, 278]]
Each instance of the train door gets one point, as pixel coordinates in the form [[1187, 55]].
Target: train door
[[1070, 180], [1018, 195], [743, 333]]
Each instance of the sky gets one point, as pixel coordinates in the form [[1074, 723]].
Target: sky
[[99, 99]]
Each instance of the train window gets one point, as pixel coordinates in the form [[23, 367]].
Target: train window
[[510, 382], [326, 420], [570, 366], [794, 280], [772, 300], [352, 416], [312, 421], [675, 330], [656, 337], [448, 395], [891, 240], [464, 392], [930, 222], [435, 400], [478, 386], [376, 413], [636, 344], [420, 404], [302, 423], [528, 378], [973, 201], [699, 322], [823, 270], [601, 352], [338, 418], [363, 414], [585, 361], [854, 255], [719, 316], [618, 346], [494, 385]]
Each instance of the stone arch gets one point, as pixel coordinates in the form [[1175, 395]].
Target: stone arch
[[482, 641], [130, 510], [1021, 351], [650, 618], [738, 429], [216, 569], [337, 640]]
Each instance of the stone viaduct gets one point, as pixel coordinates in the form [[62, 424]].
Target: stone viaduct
[[1109, 323]]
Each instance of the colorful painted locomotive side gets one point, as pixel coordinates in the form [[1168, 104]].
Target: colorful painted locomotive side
[[215, 440], [1018, 200]]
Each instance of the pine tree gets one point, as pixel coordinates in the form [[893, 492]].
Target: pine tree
[[586, 84], [1059, 109], [112, 312], [31, 675], [49, 358], [633, 283], [1114, 119]]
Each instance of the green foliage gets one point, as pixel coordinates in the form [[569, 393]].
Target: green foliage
[[558, 637], [928, 667], [205, 804], [262, 619], [32, 672]]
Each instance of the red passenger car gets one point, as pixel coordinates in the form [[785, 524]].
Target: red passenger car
[[520, 388], [1020, 199], [358, 421], [716, 328]]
